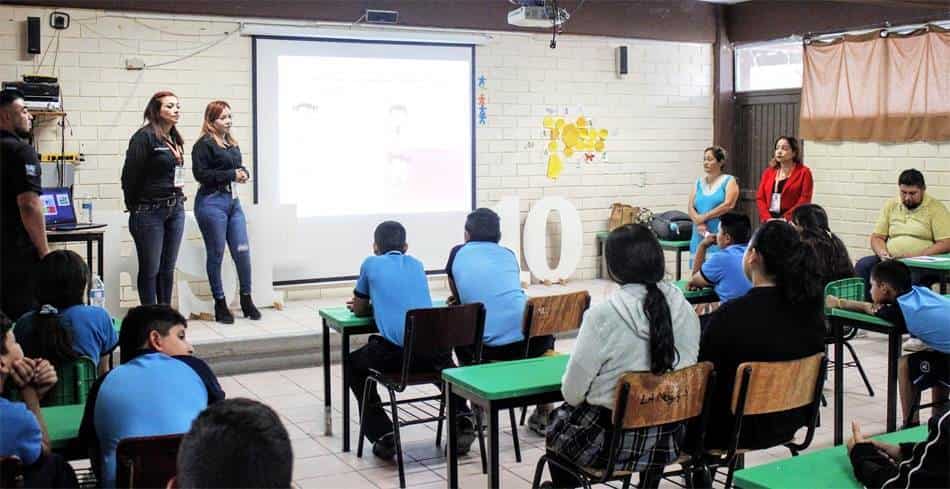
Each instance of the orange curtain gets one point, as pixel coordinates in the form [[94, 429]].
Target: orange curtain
[[872, 88]]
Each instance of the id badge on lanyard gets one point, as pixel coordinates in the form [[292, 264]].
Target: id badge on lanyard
[[776, 205], [179, 176]]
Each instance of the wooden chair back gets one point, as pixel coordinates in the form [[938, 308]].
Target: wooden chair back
[[147, 461], [772, 387], [554, 314], [653, 400]]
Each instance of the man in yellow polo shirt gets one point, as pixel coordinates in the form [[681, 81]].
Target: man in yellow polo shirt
[[915, 224]]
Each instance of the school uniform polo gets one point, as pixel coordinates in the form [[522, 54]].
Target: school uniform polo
[[20, 432], [909, 232], [724, 271], [927, 315], [152, 394], [395, 283], [486, 272], [90, 327]]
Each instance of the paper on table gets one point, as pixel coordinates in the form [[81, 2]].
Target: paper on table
[[932, 259]]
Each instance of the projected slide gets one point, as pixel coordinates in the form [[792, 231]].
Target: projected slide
[[367, 136], [353, 133]]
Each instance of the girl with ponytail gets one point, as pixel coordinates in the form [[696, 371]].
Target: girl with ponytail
[[834, 263], [646, 325], [779, 319], [63, 328]]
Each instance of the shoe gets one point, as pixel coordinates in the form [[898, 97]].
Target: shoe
[[466, 436], [385, 447], [221, 312], [538, 421], [248, 308], [914, 344]]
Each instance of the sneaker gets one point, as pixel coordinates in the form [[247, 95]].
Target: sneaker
[[466, 436], [385, 447], [914, 344], [538, 421]]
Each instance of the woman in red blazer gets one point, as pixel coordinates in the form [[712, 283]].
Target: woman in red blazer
[[786, 183]]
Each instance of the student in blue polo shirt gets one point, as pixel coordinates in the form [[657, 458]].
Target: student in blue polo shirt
[[22, 430], [723, 270], [158, 389], [481, 270], [390, 284], [64, 328], [922, 313]]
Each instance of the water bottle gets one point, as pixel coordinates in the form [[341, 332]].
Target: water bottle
[[97, 292], [87, 209]]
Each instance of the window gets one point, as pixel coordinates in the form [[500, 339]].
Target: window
[[769, 66]]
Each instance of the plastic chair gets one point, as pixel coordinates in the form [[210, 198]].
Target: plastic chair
[[850, 289]]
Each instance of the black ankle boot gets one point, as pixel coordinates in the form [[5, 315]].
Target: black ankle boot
[[247, 306], [221, 312]]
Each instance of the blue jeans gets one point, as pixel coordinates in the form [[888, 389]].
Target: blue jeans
[[157, 233], [865, 265], [221, 221]]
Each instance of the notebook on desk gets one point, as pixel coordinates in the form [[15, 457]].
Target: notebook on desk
[[59, 212]]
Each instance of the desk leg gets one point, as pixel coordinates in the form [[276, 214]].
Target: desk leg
[[893, 356], [327, 402], [345, 364], [453, 473], [837, 326], [601, 272], [494, 476], [679, 263], [100, 265]]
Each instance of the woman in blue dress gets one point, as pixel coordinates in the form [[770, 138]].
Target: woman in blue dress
[[715, 194]]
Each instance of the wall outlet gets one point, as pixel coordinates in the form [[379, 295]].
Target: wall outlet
[[134, 64]]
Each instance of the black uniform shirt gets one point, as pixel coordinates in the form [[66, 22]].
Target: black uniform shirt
[[20, 172]]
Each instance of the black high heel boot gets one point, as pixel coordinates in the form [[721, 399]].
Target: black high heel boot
[[221, 312], [247, 306]]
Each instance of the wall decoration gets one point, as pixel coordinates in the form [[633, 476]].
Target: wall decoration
[[482, 101], [565, 138]]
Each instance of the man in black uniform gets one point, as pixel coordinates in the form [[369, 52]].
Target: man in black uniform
[[21, 211]]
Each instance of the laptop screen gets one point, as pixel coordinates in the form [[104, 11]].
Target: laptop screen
[[58, 206]]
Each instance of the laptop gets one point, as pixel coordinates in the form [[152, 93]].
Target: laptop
[[59, 211]]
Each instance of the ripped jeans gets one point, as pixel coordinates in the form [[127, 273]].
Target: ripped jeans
[[222, 221]]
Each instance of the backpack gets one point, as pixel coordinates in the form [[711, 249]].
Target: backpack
[[672, 226]]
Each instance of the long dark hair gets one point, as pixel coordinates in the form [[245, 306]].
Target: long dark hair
[[791, 262], [152, 116], [634, 256], [834, 261], [60, 284]]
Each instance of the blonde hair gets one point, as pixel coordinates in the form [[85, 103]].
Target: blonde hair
[[212, 112]]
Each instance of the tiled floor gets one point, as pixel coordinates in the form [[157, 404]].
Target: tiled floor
[[297, 396]]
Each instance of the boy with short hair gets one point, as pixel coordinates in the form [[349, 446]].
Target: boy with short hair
[[23, 432], [723, 270], [481, 270], [395, 283], [237, 443], [158, 389], [922, 313]]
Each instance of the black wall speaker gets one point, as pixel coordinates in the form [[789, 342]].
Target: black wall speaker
[[622, 66], [33, 35]]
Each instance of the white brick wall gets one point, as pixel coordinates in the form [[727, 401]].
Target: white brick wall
[[659, 117], [853, 180]]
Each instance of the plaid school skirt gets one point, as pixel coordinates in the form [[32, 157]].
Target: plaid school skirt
[[582, 434]]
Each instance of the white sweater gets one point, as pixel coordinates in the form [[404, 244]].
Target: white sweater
[[615, 339]]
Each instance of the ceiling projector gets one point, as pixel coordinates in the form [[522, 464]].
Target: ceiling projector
[[536, 13]]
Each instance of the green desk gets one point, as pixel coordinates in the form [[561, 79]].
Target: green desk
[[678, 246], [839, 318], [344, 322], [497, 386], [828, 468], [62, 423], [942, 267], [700, 296]]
